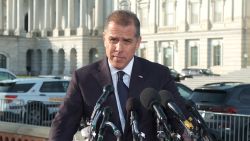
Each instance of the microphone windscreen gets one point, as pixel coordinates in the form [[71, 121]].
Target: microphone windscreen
[[166, 97], [149, 97], [108, 89], [132, 104]]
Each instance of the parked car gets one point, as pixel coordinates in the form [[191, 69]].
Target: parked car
[[184, 90], [6, 74], [32, 100], [230, 99], [223, 97], [190, 72], [177, 76]]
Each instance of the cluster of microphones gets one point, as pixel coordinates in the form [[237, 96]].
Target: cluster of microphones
[[159, 103]]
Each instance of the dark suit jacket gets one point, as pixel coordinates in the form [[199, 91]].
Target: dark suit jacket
[[86, 87]]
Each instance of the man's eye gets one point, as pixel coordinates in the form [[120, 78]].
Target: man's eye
[[113, 40], [128, 41]]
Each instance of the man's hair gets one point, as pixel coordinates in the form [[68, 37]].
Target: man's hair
[[124, 18]]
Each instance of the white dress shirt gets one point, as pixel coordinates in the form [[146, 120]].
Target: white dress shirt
[[126, 80]]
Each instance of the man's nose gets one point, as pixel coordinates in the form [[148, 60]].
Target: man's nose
[[119, 45]]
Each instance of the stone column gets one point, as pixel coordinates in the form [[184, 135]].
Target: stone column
[[66, 61], [30, 13], [47, 4], [181, 17], [14, 14], [58, 28], [116, 4], [55, 63], [238, 12], [1, 17], [152, 17], [8, 17], [35, 18], [228, 16], [20, 18], [98, 17], [82, 29], [205, 15], [44, 68], [70, 20]]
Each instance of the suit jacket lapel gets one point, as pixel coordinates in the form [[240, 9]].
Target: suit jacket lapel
[[103, 76], [137, 82], [102, 73]]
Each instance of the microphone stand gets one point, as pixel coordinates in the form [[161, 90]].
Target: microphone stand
[[164, 133], [203, 128], [116, 131], [137, 135], [161, 135], [93, 123], [106, 114]]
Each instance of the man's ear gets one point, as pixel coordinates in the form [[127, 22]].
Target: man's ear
[[138, 42]]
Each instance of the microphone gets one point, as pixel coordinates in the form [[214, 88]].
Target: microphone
[[106, 92], [96, 114], [132, 108], [191, 107], [167, 102], [151, 101], [105, 117]]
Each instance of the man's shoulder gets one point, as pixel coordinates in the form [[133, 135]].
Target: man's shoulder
[[90, 67], [150, 64]]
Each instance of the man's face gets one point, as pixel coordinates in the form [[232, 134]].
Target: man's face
[[120, 44]]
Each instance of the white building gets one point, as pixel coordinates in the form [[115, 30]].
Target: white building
[[58, 36]]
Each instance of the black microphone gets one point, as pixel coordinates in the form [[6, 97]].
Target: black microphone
[[151, 101], [167, 102], [191, 107], [133, 109], [106, 113], [96, 114], [106, 92]]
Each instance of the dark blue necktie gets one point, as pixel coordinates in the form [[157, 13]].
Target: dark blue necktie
[[122, 91]]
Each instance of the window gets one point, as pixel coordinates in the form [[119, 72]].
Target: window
[[192, 53], [215, 52], [245, 95], [2, 61], [167, 56], [5, 75], [20, 88], [60, 86], [218, 11], [194, 12], [143, 52], [217, 55], [168, 13], [194, 56]]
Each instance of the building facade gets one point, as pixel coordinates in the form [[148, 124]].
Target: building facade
[[58, 36]]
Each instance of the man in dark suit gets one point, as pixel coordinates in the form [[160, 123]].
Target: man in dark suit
[[121, 40]]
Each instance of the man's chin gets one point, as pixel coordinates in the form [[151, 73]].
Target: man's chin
[[118, 65]]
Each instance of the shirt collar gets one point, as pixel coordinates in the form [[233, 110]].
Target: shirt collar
[[127, 69]]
